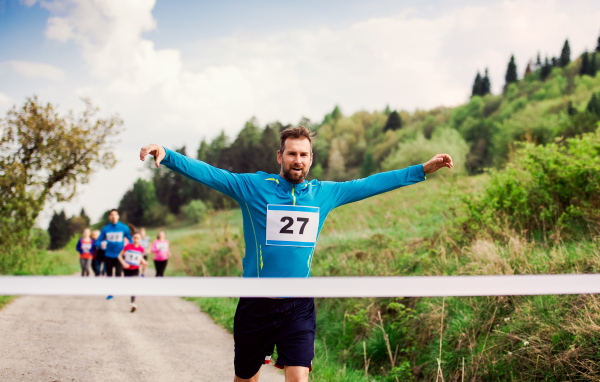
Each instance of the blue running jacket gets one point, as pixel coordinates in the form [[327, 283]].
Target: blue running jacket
[[114, 235], [282, 220]]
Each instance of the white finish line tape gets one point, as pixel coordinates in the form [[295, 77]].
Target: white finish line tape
[[392, 286]]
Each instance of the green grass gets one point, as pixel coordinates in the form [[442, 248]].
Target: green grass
[[4, 300], [543, 338]]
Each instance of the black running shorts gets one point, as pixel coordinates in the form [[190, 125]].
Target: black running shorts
[[262, 323]]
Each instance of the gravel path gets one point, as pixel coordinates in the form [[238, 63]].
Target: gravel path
[[94, 339]]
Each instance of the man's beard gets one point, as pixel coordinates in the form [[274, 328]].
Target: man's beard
[[294, 176]]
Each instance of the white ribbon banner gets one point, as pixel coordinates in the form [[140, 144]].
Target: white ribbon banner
[[392, 286]]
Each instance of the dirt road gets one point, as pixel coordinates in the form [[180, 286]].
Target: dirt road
[[94, 339]]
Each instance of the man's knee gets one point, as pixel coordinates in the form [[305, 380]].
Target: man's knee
[[296, 374]]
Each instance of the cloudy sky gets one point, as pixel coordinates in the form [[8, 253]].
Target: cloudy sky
[[181, 70]]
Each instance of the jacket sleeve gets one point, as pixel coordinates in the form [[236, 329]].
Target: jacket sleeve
[[236, 186], [355, 190], [154, 249], [78, 246], [128, 234]]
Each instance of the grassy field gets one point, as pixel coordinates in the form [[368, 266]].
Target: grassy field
[[405, 232]]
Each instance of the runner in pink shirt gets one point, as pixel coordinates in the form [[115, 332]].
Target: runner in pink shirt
[[160, 248]]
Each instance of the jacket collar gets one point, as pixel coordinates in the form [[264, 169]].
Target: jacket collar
[[287, 185]]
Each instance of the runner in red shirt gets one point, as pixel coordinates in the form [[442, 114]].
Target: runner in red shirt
[[131, 257], [84, 247]]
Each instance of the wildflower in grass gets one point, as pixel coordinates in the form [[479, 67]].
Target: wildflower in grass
[[506, 319], [526, 343]]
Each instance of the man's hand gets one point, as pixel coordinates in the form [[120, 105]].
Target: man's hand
[[437, 162], [155, 150]]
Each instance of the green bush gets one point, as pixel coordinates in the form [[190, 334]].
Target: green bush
[[420, 150], [195, 211], [40, 238], [547, 190]]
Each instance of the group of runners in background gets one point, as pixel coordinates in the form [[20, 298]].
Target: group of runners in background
[[118, 250]]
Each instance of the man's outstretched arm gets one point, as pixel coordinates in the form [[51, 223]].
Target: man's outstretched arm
[[232, 185], [355, 190]]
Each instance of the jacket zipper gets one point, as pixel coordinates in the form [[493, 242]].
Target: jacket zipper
[[294, 196]]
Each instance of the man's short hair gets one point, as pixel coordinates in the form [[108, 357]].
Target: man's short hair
[[295, 133], [114, 209]]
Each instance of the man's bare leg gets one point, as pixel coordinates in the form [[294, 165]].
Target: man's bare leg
[[296, 374], [253, 379], [292, 374]]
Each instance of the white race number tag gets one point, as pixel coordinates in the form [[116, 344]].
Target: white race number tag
[[86, 247], [295, 226], [162, 247], [114, 236], [133, 257]]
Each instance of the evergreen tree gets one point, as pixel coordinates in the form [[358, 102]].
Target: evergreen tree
[[593, 106], [554, 62], [598, 46], [86, 218], [593, 68], [58, 230], [486, 85], [585, 64], [387, 110], [476, 90], [511, 72], [571, 110], [136, 204], [546, 69], [369, 166], [528, 70], [393, 122], [565, 55], [538, 62]]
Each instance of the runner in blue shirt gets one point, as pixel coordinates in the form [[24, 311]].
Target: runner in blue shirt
[[112, 240], [283, 215]]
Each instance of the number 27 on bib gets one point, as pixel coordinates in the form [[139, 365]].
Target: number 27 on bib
[[295, 226]]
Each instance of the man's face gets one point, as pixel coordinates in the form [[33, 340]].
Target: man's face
[[113, 217], [296, 159]]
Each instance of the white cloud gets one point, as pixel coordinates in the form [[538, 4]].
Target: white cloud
[[407, 60], [6, 102], [34, 70]]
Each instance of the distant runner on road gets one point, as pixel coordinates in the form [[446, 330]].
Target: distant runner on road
[[84, 247], [112, 240], [160, 248], [131, 257], [283, 215]]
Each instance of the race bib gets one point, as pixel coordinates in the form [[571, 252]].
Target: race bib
[[133, 257], [114, 236], [162, 247], [295, 226], [86, 247]]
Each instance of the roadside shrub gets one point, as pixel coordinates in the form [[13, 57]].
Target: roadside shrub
[[551, 190], [195, 211], [39, 238]]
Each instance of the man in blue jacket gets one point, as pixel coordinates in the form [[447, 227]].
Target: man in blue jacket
[[112, 240], [283, 215]]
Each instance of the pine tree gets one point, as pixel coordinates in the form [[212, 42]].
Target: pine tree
[[565, 55], [538, 62], [83, 215], [476, 90], [593, 106], [593, 68], [369, 166], [546, 69], [511, 72], [585, 64], [394, 122], [486, 85], [528, 70], [58, 230], [598, 46], [554, 62]]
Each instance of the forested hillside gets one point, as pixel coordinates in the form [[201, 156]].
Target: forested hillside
[[555, 99]]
